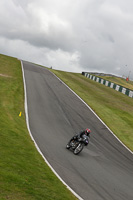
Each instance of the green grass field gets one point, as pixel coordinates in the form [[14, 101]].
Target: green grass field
[[114, 108], [119, 81], [23, 172]]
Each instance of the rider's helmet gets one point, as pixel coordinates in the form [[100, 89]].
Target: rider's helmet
[[87, 131]]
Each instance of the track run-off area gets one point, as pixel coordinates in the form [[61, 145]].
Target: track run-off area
[[104, 169]]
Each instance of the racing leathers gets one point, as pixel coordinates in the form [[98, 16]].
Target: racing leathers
[[79, 136]]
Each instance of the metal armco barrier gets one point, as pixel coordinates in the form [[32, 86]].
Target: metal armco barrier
[[114, 86]]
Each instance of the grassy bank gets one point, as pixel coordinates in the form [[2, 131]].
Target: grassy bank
[[23, 172], [114, 108], [119, 81]]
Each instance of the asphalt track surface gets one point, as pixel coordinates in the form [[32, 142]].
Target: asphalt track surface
[[103, 170]]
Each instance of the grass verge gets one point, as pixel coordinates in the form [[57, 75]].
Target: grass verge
[[119, 81], [23, 172], [114, 108]]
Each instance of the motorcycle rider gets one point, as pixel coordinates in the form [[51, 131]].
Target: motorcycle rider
[[78, 136]]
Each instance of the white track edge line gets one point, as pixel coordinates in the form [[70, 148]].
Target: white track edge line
[[27, 122], [94, 113]]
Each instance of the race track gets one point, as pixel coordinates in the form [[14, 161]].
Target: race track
[[104, 170]]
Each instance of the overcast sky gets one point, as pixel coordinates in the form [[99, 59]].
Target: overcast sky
[[70, 35]]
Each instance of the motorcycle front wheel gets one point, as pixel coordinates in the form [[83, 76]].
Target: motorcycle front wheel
[[78, 149], [67, 146]]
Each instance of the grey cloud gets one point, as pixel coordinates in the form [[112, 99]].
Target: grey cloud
[[40, 29], [86, 35]]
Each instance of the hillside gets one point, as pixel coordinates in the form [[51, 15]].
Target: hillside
[[23, 172], [119, 81], [114, 108]]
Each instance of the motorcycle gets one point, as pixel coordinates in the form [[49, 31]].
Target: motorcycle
[[77, 145]]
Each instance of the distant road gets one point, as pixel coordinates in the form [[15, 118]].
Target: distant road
[[104, 170]]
